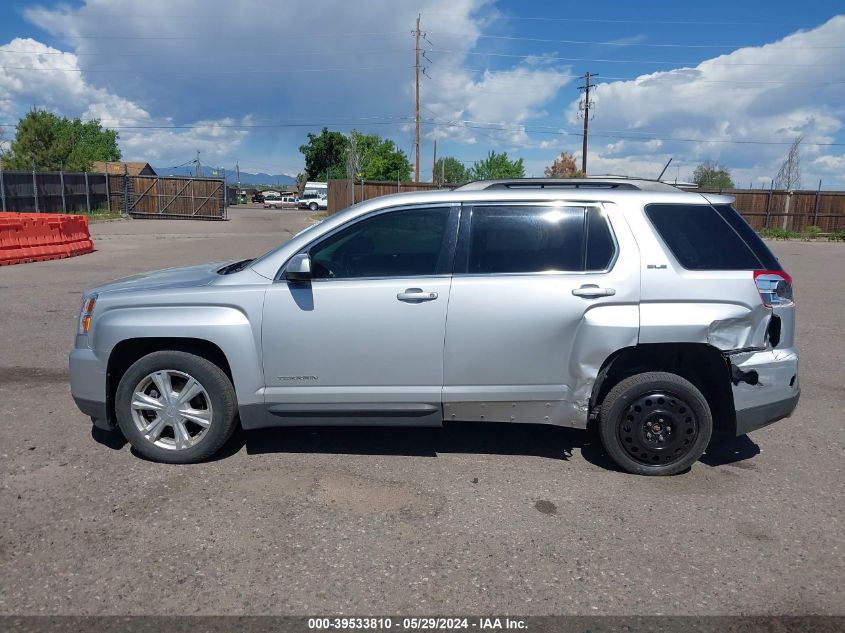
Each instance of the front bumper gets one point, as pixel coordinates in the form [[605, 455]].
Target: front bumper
[[88, 384], [770, 390]]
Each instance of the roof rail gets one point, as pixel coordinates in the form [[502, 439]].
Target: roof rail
[[613, 182]]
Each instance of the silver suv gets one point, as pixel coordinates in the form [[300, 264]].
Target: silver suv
[[655, 314]]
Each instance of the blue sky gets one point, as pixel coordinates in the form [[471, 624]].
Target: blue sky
[[727, 81]]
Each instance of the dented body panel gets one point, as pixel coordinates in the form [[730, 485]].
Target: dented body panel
[[524, 348]]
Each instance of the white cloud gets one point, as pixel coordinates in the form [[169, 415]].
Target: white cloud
[[502, 101], [214, 55], [67, 92], [768, 93]]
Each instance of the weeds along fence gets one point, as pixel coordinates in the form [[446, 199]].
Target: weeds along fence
[[171, 197]]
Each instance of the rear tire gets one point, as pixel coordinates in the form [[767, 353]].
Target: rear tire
[[313, 206], [154, 393], [655, 423]]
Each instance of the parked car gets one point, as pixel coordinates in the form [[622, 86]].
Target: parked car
[[273, 201], [656, 314], [291, 199], [313, 201], [258, 198]]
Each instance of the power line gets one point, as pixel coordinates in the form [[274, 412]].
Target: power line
[[624, 136], [509, 18], [269, 53], [213, 36], [479, 125], [639, 44], [273, 71], [216, 37], [132, 71], [543, 57], [618, 21]]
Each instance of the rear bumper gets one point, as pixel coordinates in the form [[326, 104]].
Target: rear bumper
[[770, 391], [754, 418]]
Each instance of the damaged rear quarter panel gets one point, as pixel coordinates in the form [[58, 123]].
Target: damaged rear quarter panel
[[721, 308]]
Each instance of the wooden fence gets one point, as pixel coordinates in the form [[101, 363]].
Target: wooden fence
[[53, 192], [791, 210], [343, 193], [173, 197], [763, 209], [138, 196]]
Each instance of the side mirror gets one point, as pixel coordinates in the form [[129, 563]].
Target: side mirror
[[298, 268]]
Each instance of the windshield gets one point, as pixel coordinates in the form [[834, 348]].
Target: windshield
[[304, 231]]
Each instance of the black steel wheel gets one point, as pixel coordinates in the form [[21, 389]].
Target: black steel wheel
[[655, 423]]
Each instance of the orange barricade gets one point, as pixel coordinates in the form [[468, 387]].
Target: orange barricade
[[30, 237]]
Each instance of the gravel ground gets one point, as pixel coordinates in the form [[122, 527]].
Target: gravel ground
[[473, 518]]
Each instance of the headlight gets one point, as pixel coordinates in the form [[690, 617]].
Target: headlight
[[88, 303]]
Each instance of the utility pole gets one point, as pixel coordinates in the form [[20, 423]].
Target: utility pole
[[238, 169], [585, 108], [417, 115], [434, 163], [197, 175]]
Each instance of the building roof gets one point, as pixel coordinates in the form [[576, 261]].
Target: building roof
[[121, 167]]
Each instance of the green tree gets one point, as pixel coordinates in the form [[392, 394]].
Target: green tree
[[46, 142], [377, 159], [88, 142], [497, 166], [449, 170], [325, 155], [564, 166], [712, 175]]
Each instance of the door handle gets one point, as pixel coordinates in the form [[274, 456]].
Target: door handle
[[592, 290], [416, 295]]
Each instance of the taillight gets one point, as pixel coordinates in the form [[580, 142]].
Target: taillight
[[774, 286]]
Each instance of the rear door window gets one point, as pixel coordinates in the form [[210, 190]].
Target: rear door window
[[600, 245], [701, 238], [521, 239]]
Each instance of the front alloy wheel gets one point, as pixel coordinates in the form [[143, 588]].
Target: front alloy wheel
[[175, 407], [171, 409]]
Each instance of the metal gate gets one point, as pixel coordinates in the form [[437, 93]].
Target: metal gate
[[175, 198]]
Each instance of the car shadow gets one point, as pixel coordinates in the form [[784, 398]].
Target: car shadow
[[113, 439], [481, 438], [537, 440], [729, 450]]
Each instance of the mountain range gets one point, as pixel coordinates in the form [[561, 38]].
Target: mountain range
[[247, 178]]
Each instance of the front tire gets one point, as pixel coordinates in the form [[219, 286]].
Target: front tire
[[175, 407], [313, 206], [655, 423]]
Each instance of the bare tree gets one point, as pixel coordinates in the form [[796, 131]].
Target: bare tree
[[789, 174], [301, 180], [4, 142], [353, 156]]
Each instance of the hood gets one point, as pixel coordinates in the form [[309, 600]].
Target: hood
[[186, 277]]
